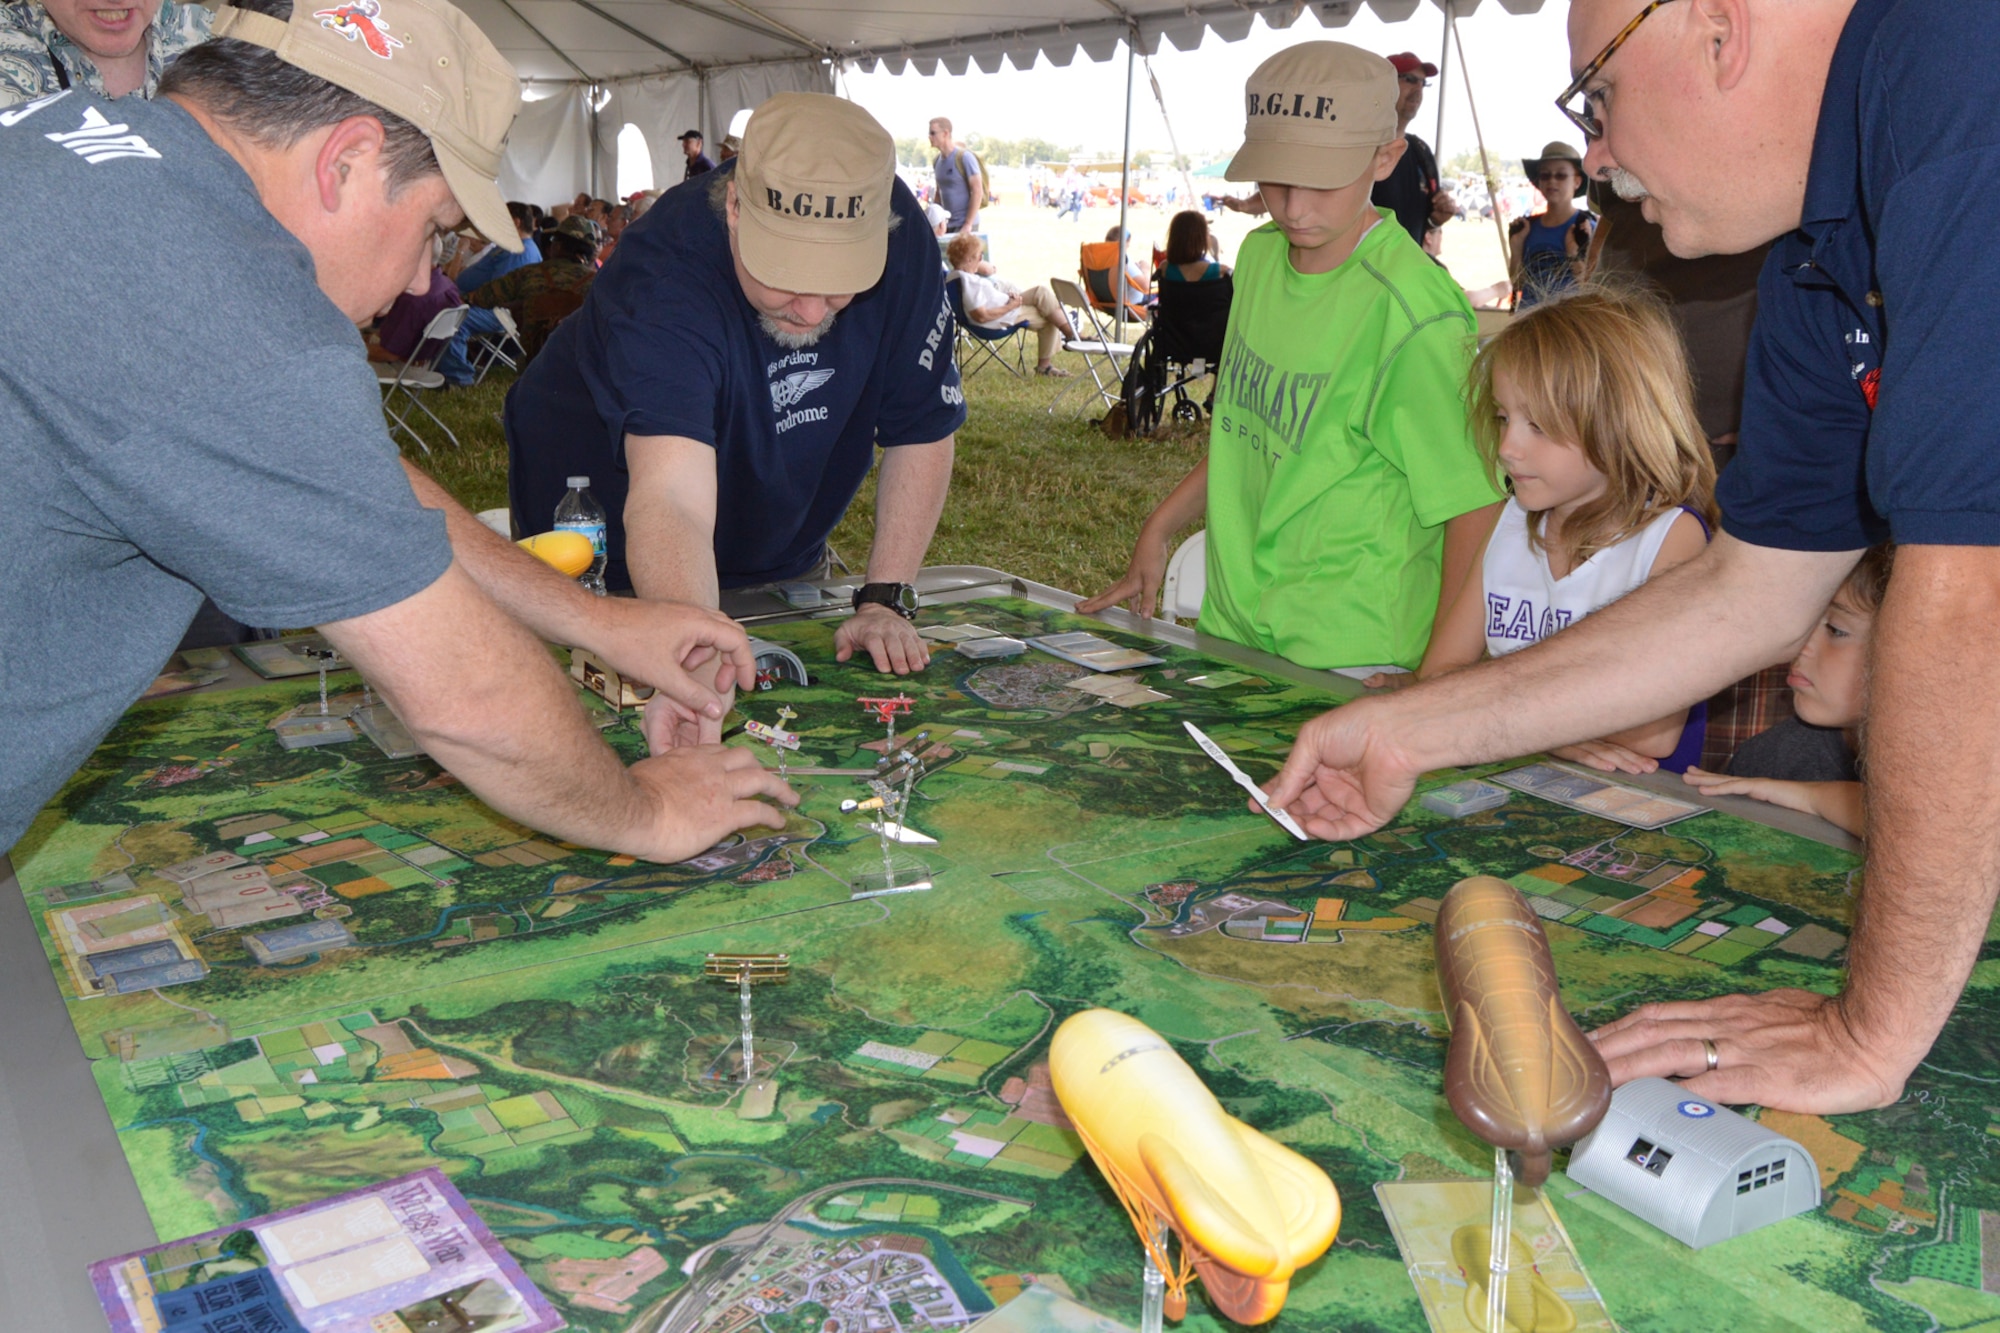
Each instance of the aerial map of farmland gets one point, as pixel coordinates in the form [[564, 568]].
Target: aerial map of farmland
[[300, 970]]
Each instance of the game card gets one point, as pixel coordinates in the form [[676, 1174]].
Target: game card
[[988, 646], [356, 1272], [1104, 686], [1433, 1221], [1595, 796], [186, 872], [403, 1256], [1088, 650], [301, 1238]]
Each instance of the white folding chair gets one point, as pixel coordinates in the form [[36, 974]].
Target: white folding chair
[[1103, 356], [494, 347], [409, 379], [1186, 580]]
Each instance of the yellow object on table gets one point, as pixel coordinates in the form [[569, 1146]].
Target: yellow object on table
[[1249, 1211], [569, 553]]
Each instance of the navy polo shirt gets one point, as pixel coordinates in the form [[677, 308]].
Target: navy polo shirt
[[1875, 360], [667, 344]]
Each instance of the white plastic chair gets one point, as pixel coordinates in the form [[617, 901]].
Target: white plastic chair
[[1187, 579], [409, 379]]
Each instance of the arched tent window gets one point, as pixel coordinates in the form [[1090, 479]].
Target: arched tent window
[[635, 162]]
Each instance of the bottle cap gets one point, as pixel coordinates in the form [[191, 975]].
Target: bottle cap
[[576, 483]]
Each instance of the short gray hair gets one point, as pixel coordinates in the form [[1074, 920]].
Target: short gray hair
[[275, 105]]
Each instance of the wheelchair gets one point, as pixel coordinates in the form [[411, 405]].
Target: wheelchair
[[1183, 344]]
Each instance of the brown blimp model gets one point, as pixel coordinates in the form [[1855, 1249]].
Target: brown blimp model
[[1520, 1073]]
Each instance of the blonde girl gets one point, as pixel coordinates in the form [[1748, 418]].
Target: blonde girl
[[1583, 407]]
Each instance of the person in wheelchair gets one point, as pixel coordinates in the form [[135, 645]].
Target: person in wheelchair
[[1191, 252], [1185, 340]]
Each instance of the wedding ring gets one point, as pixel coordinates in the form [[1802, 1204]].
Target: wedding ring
[[1714, 1060]]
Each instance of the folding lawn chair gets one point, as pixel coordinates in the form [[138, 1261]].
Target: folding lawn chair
[[409, 379], [978, 345], [487, 350], [1103, 356], [1096, 262]]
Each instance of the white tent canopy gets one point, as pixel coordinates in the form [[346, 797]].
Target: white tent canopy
[[670, 65]]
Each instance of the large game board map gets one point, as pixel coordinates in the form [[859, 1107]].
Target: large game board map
[[401, 978]]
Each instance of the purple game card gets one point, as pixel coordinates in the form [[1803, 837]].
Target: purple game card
[[399, 1257]]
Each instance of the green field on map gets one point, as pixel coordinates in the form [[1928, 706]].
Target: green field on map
[[532, 1018]]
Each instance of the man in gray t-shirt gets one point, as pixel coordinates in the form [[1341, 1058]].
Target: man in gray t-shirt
[[200, 418], [961, 189]]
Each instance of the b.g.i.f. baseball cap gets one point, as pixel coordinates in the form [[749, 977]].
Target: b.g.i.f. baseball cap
[[422, 60], [813, 181], [1314, 115]]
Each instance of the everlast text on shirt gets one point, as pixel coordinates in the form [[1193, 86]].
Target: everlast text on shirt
[[807, 205], [1274, 104]]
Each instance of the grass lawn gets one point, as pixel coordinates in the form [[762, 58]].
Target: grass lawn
[[1047, 497]]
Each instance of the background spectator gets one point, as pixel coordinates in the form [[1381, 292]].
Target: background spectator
[[960, 187]]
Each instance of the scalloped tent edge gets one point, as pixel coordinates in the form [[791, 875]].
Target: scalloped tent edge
[[670, 65]]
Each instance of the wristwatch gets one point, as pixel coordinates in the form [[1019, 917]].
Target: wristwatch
[[898, 597]]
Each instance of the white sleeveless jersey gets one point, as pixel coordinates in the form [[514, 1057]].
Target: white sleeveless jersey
[[1526, 603]]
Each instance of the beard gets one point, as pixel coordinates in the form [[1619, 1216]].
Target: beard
[[790, 340], [1625, 185]]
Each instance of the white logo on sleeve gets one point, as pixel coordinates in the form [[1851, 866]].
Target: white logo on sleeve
[[9, 119], [796, 386], [100, 141]]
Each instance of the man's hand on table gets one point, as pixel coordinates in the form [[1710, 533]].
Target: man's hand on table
[[694, 657], [1791, 1050], [1344, 777], [890, 640], [700, 794]]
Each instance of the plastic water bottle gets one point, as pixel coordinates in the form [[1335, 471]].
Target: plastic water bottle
[[580, 513]]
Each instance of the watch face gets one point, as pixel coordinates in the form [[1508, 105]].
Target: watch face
[[906, 598]]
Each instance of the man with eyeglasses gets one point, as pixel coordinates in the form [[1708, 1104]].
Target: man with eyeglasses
[[1413, 191], [1844, 148]]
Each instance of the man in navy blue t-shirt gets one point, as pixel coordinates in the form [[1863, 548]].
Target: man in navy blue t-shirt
[[726, 384], [1860, 136]]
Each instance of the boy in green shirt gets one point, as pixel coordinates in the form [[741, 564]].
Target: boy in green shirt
[[1343, 492]]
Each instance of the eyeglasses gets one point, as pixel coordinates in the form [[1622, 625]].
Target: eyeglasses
[[1553, 175], [1578, 105]]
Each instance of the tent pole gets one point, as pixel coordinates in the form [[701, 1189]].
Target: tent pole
[[596, 141], [1485, 164], [1444, 81], [1125, 180]]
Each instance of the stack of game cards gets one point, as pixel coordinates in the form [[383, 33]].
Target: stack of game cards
[[975, 641], [1088, 650]]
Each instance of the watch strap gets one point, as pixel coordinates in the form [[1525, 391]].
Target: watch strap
[[898, 597]]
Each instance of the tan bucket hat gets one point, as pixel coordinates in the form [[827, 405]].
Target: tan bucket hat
[[1561, 152], [813, 182], [422, 60], [1316, 113]]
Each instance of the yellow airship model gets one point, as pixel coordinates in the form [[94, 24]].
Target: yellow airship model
[[1248, 1211]]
